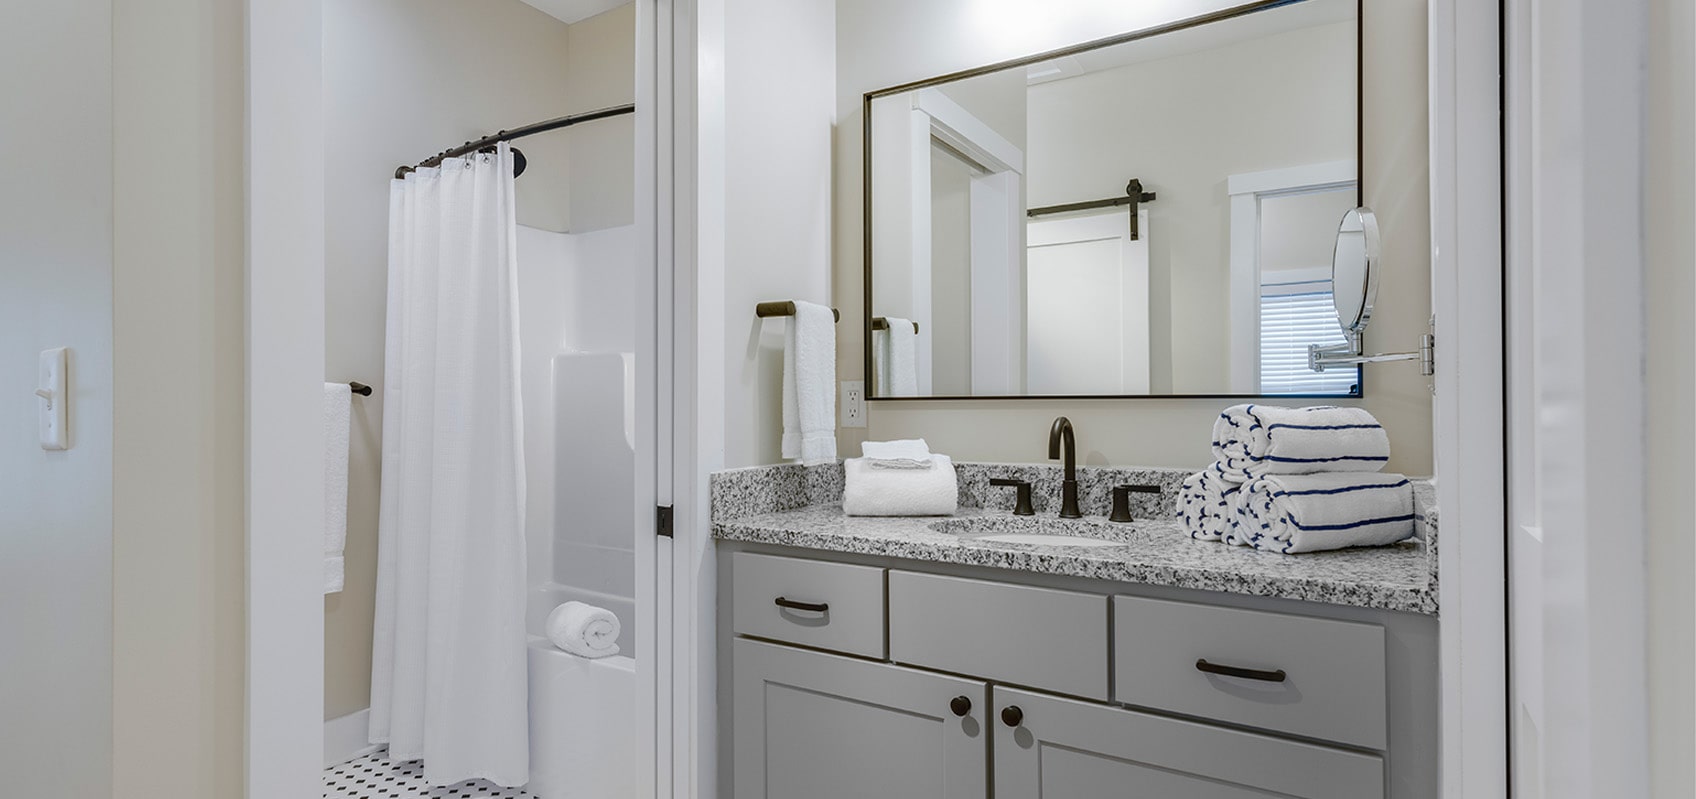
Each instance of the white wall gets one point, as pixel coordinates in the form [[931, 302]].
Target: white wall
[[56, 507], [887, 42], [779, 67], [1670, 372], [405, 79]]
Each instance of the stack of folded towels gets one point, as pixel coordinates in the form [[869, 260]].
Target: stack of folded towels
[[899, 478], [1297, 480]]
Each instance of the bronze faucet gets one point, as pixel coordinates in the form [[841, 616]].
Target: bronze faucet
[[1061, 441]]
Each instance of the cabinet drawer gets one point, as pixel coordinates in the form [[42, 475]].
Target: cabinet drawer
[[1313, 677], [813, 603], [1054, 640], [1046, 747]]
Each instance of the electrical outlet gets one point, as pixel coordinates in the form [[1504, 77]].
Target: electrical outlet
[[853, 403]]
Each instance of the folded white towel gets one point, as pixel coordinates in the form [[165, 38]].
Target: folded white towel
[[338, 418], [1207, 505], [900, 448], [1256, 440], [910, 453], [1311, 512], [809, 384], [895, 356], [584, 630], [870, 491]]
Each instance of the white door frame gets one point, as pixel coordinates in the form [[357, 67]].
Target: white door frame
[[285, 373], [285, 369], [903, 222], [1576, 116], [1464, 58], [1246, 191]]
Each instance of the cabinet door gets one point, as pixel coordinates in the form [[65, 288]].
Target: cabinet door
[[1064, 749], [814, 726]]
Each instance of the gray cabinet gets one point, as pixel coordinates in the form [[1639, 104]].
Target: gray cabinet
[[811, 725], [840, 679], [1065, 749]]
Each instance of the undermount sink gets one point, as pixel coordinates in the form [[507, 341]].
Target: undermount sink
[[1035, 531]]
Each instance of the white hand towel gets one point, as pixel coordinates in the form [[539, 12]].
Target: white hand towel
[[911, 453], [1311, 512], [870, 491], [338, 419], [1256, 440], [898, 369], [584, 630], [809, 384], [1207, 504]]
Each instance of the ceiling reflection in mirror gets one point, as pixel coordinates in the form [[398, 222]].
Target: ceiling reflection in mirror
[[1152, 217]]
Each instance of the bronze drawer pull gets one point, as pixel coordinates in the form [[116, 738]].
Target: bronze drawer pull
[[1238, 671], [815, 607]]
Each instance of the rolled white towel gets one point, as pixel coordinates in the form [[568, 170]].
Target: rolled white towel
[[871, 491], [584, 630], [1256, 440], [1207, 504], [1292, 513], [911, 453]]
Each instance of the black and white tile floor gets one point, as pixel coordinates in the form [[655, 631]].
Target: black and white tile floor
[[374, 777]]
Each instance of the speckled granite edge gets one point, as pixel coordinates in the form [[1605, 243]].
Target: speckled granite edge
[[1155, 552], [754, 490]]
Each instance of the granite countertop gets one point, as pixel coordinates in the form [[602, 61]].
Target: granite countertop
[[1153, 551]]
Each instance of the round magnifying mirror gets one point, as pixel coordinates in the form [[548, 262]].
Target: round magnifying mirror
[[1354, 270]]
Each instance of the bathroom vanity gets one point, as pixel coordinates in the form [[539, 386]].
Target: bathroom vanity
[[910, 657]]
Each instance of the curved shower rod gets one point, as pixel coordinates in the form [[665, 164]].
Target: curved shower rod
[[518, 133]]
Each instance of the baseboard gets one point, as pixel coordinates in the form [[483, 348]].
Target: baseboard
[[344, 738]]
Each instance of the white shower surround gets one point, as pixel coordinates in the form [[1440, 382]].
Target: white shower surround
[[578, 339]]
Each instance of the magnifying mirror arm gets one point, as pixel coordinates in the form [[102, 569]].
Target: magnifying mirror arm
[[1319, 358]]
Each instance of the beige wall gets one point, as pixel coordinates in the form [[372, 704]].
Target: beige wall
[[125, 676], [1670, 289], [403, 80], [883, 43], [600, 71], [56, 507], [179, 543]]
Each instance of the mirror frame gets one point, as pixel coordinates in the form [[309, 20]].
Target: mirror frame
[[1015, 63]]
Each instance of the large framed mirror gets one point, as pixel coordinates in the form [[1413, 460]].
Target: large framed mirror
[[1149, 214]]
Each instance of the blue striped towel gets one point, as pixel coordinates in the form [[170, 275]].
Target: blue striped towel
[[1256, 440], [1207, 505], [1291, 513]]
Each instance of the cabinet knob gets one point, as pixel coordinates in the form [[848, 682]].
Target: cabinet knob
[[1012, 716], [961, 705]]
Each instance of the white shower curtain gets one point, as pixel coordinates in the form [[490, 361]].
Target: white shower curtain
[[448, 675]]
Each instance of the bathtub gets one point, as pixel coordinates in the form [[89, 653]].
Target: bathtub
[[582, 712]]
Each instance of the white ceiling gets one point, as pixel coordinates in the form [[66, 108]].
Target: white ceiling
[[569, 11]]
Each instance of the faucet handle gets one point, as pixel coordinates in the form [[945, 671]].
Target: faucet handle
[[1023, 496], [1122, 500]]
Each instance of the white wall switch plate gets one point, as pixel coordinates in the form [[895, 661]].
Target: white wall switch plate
[[51, 400], [853, 403]]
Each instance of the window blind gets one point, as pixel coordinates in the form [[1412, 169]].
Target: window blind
[[1288, 324]]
